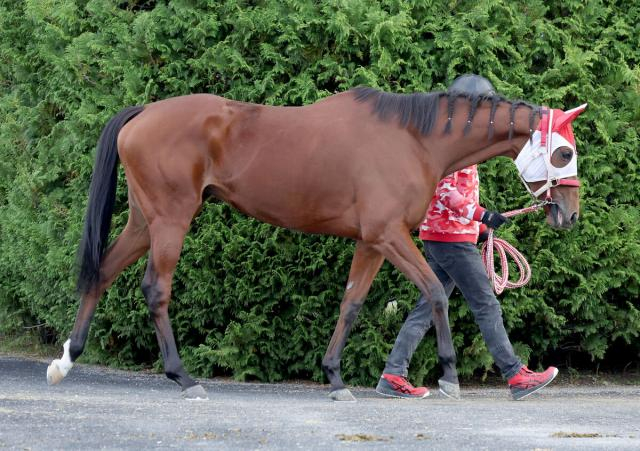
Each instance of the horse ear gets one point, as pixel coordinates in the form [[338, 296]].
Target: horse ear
[[568, 116]]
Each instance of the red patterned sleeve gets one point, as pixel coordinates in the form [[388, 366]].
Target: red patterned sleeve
[[454, 200]]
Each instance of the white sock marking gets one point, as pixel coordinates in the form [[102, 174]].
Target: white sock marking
[[64, 364]]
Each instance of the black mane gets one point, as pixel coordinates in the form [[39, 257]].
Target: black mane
[[420, 110]]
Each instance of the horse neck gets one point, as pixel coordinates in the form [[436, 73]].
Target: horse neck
[[460, 150]]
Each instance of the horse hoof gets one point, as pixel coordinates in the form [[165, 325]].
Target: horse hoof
[[54, 374], [343, 395], [449, 389], [195, 392], [59, 368]]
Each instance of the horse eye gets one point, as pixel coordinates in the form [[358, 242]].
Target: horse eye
[[567, 154]]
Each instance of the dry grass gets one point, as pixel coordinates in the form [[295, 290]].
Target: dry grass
[[362, 438]]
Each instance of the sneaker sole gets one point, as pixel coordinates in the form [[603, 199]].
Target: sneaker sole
[[536, 388], [389, 395]]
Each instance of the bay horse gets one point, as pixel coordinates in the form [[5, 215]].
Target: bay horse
[[361, 164]]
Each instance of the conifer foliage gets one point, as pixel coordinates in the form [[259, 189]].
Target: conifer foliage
[[258, 302]]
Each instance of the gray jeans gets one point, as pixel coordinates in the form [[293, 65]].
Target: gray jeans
[[457, 264]]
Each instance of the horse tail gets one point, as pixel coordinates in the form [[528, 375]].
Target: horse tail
[[102, 196]]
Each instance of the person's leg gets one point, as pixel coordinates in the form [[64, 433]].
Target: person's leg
[[463, 264]]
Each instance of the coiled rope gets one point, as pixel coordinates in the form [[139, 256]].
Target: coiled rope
[[501, 281]]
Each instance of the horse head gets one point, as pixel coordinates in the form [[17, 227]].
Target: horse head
[[548, 166]]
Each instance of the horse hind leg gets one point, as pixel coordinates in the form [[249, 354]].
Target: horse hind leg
[[364, 267], [127, 248], [166, 244]]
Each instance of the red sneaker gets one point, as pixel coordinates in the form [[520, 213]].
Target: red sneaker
[[526, 381], [399, 387]]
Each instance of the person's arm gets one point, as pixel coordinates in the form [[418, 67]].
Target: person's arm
[[454, 200], [466, 207]]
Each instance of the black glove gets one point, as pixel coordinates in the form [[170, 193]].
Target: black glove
[[484, 236], [493, 219]]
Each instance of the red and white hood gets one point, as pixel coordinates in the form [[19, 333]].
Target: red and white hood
[[534, 160]]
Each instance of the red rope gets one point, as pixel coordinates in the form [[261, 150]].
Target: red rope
[[501, 281]]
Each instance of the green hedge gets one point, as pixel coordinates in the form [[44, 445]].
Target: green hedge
[[260, 302]]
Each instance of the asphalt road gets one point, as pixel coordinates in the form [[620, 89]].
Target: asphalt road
[[100, 408]]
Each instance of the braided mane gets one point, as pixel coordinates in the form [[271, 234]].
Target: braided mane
[[420, 110]]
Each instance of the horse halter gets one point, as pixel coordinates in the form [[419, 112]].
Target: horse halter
[[534, 160]]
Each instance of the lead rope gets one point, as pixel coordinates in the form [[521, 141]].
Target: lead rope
[[502, 282]]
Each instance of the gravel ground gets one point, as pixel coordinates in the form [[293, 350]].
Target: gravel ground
[[96, 407]]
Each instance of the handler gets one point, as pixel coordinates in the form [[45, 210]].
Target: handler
[[450, 233]]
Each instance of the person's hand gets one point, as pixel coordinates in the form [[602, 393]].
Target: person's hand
[[483, 236], [493, 219]]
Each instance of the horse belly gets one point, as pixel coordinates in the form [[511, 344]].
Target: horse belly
[[288, 195], [294, 184]]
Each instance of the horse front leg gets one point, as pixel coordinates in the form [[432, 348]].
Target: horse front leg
[[398, 247], [132, 243], [364, 267]]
